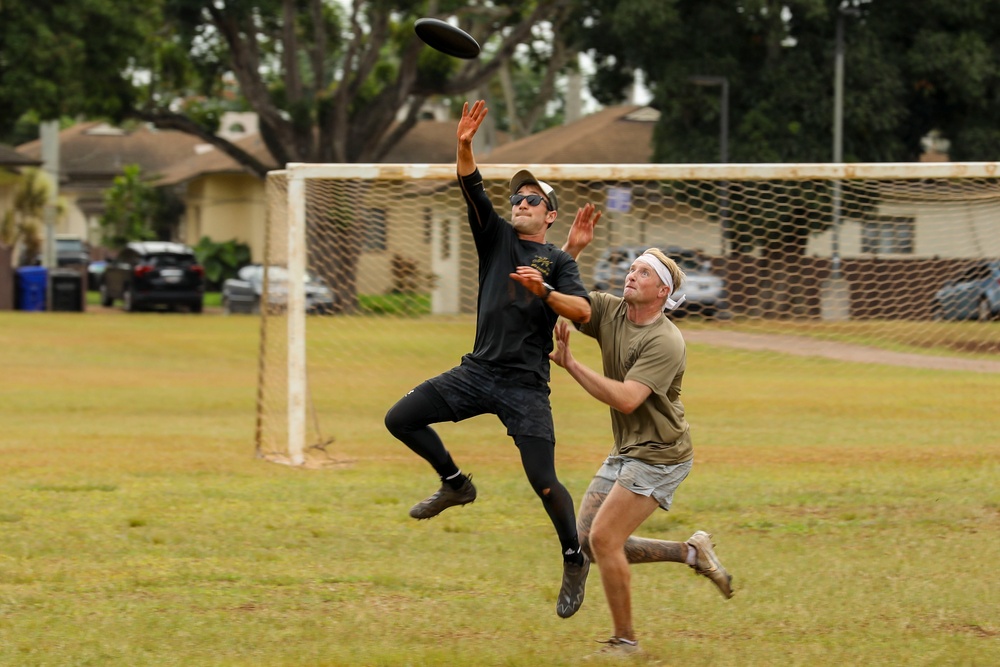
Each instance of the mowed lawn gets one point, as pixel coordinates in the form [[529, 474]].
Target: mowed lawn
[[858, 508]]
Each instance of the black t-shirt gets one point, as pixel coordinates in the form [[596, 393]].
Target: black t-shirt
[[513, 326]]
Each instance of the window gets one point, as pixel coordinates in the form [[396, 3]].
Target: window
[[888, 235], [374, 238]]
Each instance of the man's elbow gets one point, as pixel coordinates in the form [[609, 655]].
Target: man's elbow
[[583, 313], [627, 408]]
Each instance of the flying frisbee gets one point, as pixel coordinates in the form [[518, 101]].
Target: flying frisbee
[[446, 38]]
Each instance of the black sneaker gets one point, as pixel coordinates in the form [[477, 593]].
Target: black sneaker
[[574, 581], [444, 498]]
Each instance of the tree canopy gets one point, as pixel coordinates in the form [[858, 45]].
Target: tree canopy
[[329, 81], [67, 58], [343, 80], [910, 69]]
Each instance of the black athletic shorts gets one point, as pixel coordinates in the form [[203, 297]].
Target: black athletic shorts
[[521, 402]]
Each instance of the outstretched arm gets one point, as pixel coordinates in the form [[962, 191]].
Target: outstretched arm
[[468, 125], [582, 231], [624, 396]]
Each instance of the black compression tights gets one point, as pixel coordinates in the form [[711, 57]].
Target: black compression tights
[[538, 459], [409, 420]]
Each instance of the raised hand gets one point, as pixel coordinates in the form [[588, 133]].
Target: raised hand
[[561, 355], [582, 231], [470, 121]]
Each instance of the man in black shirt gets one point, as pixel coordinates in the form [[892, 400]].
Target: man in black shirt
[[525, 284]]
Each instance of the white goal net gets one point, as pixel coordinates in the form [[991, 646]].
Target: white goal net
[[896, 259]]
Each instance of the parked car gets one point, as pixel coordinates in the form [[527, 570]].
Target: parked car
[[243, 293], [972, 294], [95, 272], [147, 274], [705, 290], [70, 252]]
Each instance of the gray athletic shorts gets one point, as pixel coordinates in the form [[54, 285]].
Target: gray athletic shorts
[[657, 481]]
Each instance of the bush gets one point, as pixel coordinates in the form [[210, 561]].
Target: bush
[[221, 261]]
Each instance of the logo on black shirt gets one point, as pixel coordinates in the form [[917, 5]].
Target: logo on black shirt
[[543, 264]]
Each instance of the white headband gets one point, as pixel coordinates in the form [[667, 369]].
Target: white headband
[[661, 270]]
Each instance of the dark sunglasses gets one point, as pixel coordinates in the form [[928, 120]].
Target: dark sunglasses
[[533, 200]]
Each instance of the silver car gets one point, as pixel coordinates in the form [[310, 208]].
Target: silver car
[[705, 290], [973, 294], [243, 293]]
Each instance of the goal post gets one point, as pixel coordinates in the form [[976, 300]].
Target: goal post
[[376, 252]]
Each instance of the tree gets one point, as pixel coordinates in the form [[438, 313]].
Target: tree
[[909, 70], [129, 208], [21, 225], [329, 82], [68, 58]]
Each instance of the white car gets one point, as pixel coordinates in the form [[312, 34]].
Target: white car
[[243, 293]]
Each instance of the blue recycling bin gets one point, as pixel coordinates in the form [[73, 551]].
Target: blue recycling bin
[[32, 283]]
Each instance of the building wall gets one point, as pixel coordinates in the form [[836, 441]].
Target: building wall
[[225, 207], [945, 229]]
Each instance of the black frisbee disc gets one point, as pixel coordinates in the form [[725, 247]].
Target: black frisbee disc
[[446, 38]]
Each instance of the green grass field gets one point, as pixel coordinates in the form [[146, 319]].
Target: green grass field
[[858, 509]]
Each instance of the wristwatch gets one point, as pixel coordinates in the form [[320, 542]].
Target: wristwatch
[[549, 289]]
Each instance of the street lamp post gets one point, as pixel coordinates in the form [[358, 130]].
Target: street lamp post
[[838, 128], [723, 83], [835, 300]]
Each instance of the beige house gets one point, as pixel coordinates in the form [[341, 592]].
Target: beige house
[[223, 200], [92, 154]]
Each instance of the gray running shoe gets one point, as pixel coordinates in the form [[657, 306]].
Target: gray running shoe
[[616, 648], [574, 582], [444, 498], [708, 563]]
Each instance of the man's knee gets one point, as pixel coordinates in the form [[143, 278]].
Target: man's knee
[[394, 421], [601, 544]]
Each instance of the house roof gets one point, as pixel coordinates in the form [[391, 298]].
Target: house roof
[[207, 159], [429, 142], [11, 158], [96, 150], [620, 134]]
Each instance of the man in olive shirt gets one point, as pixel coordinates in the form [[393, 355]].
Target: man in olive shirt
[[644, 359]]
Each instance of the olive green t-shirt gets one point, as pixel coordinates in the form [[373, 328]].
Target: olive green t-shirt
[[655, 355]]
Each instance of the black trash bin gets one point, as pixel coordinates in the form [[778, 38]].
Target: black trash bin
[[67, 291]]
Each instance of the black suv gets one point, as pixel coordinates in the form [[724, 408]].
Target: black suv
[[154, 273]]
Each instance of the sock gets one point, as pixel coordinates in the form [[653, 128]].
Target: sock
[[573, 557], [455, 481], [692, 557]]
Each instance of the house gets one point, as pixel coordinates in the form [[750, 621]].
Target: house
[[223, 199], [92, 154]]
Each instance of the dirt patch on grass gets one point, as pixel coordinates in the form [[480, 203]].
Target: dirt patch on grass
[[810, 347]]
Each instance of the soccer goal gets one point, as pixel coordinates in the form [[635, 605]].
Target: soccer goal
[[382, 271]]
